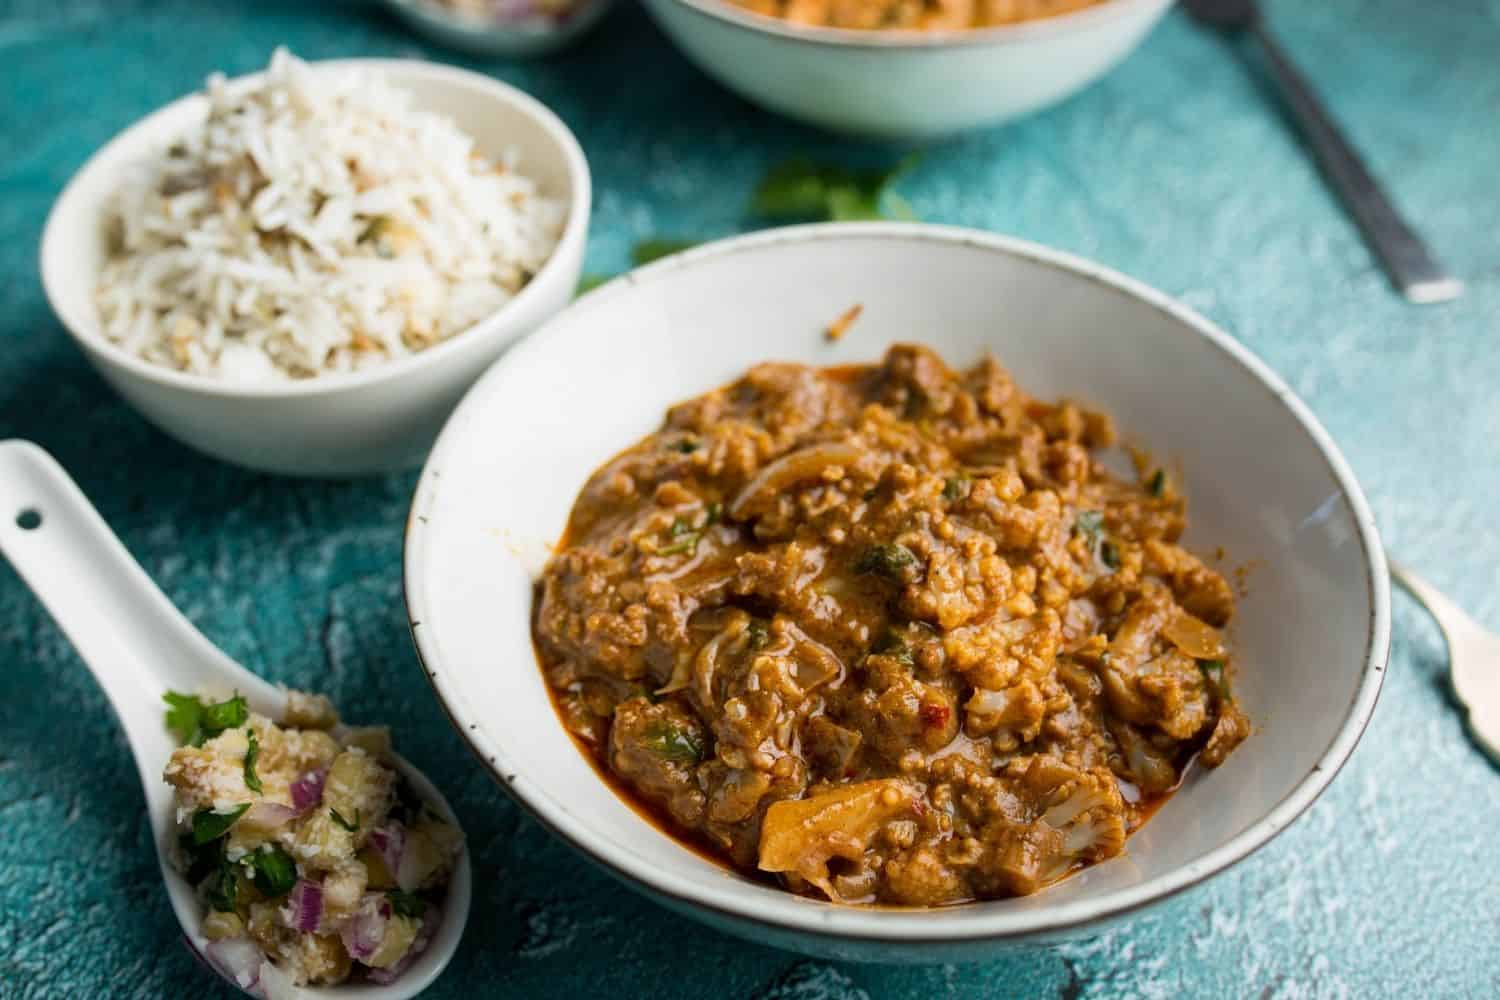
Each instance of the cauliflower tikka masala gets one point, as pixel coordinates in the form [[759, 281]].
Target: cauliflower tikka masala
[[888, 633], [918, 15]]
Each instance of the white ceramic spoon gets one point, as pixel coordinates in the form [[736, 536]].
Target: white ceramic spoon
[[137, 645]]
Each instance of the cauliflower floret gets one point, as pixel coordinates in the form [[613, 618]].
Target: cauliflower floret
[[1230, 731], [1202, 591], [1009, 717], [1166, 692], [1145, 765], [1078, 818], [993, 654]]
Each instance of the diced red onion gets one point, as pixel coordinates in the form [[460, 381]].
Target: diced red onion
[[390, 842], [238, 958], [268, 815], [307, 791], [363, 932], [432, 919], [305, 905]]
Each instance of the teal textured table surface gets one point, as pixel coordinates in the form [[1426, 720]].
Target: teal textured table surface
[[1174, 169]]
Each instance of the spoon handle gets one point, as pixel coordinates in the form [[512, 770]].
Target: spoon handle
[[136, 644], [1406, 259]]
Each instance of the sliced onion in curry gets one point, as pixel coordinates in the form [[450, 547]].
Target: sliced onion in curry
[[802, 835], [788, 470], [1194, 637]]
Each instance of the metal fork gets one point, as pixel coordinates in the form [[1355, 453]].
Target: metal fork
[[1406, 260], [1473, 658]]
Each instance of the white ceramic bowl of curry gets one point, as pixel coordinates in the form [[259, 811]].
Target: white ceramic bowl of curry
[[1262, 479], [905, 84]]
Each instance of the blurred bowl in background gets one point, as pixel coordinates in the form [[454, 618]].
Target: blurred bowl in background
[[905, 84], [377, 419], [519, 31]]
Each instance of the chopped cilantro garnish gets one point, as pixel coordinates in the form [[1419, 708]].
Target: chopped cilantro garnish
[[757, 635], [224, 887], [1089, 524], [1157, 484], [687, 543], [687, 446], [194, 723], [673, 743], [888, 561], [225, 715], [209, 825], [684, 537], [1213, 672], [956, 488], [275, 871], [713, 514], [341, 821], [406, 904], [1109, 555], [893, 645], [252, 751]]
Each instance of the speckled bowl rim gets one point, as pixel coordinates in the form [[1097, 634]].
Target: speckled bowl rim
[[112, 158], [898, 39], [972, 923]]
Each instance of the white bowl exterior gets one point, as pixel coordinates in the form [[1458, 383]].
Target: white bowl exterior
[[523, 41], [907, 92], [1263, 481], [340, 425]]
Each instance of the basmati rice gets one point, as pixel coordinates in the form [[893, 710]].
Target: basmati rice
[[315, 223]]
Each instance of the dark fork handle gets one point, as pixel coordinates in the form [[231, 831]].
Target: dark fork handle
[[1402, 253]]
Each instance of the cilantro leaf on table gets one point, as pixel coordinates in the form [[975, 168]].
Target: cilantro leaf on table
[[801, 189], [646, 251]]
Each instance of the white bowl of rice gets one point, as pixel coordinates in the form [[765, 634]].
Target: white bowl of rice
[[302, 270]]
